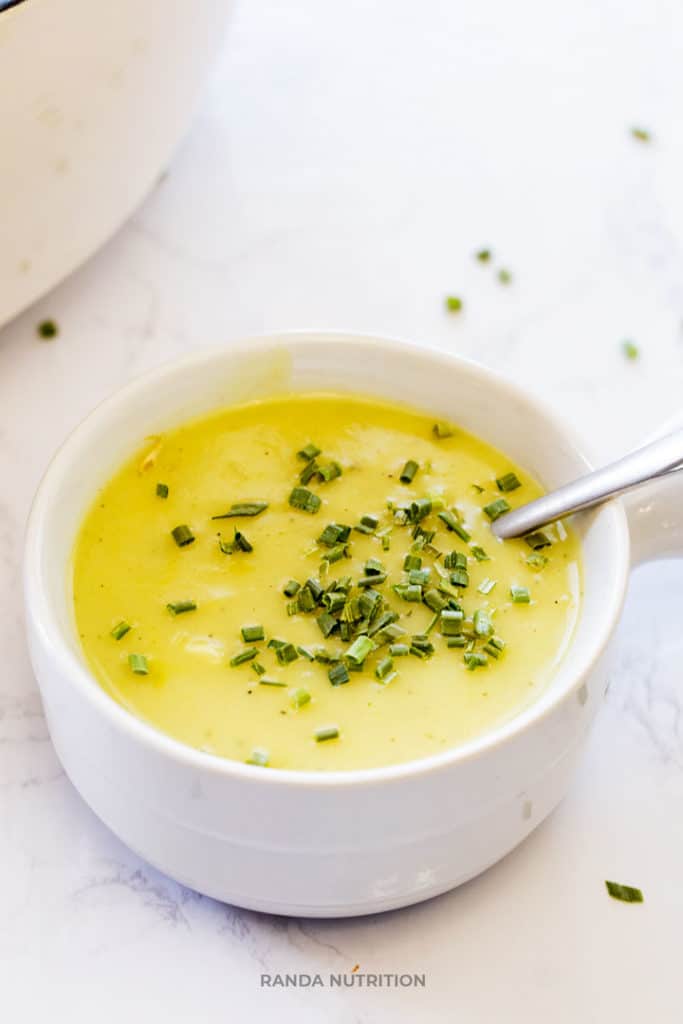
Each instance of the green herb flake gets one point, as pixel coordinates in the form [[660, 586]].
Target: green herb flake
[[475, 659], [252, 634], [162, 491], [630, 350], [625, 893], [520, 595], [641, 134], [483, 255], [259, 757], [182, 535], [508, 482], [243, 656], [504, 276], [291, 588], [305, 500], [479, 554], [359, 650], [308, 452], [47, 329], [441, 430], [138, 664], [179, 607], [496, 509], [299, 697], [120, 629], [338, 674], [538, 540], [327, 732], [453, 303], [408, 472], [536, 560], [243, 508]]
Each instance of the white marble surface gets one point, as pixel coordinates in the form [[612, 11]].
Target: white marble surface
[[345, 163]]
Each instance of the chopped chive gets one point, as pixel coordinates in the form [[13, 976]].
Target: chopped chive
[[434, 600], [252, 634], [479, 553], [477, 488], [120, 629], [315, 588], [494, 646], [259, 756], [308, 452], [244, 508], [460, 578], [536, 560], [451, 622], [641, 134], [508, 482], [258, 668], [482, 623], [408, 472], [285, 653], [412, 562], [138, 664], [453, 303], [409, 591], [475, 659], [455, 560], [625, 893], [178, 607], [291, 588], [383, 668], [162, 490], [386, 542], [243, 656], [504, 276], [452, 523], [308, 472], [520, 595], [336, 553], [305, 601], [182, 535], [299, 697], [306, 653], [538, 540], [389, 634], [630, 350], [304, 500], [421, 644], [399, 650], [486, 586], [327, 732], [459, 640], [496, 509], [440, 430], [330, 471], [381, 622], [338, 674], [483, 255], [333, 534], [271, 682], [47, 329], [334, 601], [420, 576], [359, 650], [241, 542], [326, 624]]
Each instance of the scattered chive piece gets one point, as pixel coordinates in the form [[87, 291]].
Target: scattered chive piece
[[308, 472], [308, 452], [459, 640], [306, 653], [252, 634], [333, 534], [383, 668], [641, 134], [496, 509], [120, 630], [182, 535], [299, 697], [441, 430], [494, 646], [478, 488], [327, 732], [47, 329], [504, 276], [271, 682], [475, 659], [408, 472], [162, 490], [304, 500], [368, 524], [450, 520], [479, 553], [536, 560], [386, 542], [246, 655], [625, 893], [538, 540], [291, 588], [330, 471], [409, 591], [451, 622], [486, 586], [508, 482], [259, 757], [258, 668], [285, 653], [412, 562], [482, 623], [455, 560], [241, 542], [400, 650], [483, 255], [138, 664], [520, 595], [359, 649], [338, 674], [178, 607], [244, 508], [630, 350], [453, 303], [460, 578], [326, 623]]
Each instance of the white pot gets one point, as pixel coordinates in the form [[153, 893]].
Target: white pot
[[317, 843], [93, 98]]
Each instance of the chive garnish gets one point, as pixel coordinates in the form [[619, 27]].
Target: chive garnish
[[408, 472], [434, 600], [456, 641], [399, 650], [291, 588], [327, 732], [451, 622], [625, 893], [538, 540], [455, 560], [252, 634], [338, 674], [486, 586], [520, 595], [182, 535], [630, 350], [460, 578], [359, 650], [412, 562], [496, 509], [408, 591], [162, 490], [504, 276], [308, 472], [259, 757], [482, 623], [47, 329], [453, 303], [306, 653], [330, 471], [243, 656], [483, 255], [452, 523], [304, 500], [333, 534], [536, 560], [641, 134], [178, 607], [138, 664], [475, 659], [244, 508], [383, 668], [494, 646], [120, 629], [308, 452], [327, 624], [271, 682], [441, 430], [258, 668], [508, 482], [479, 553], [285, 653], [299, 697]]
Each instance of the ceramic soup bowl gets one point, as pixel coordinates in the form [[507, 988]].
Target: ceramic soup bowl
[[326, 843]]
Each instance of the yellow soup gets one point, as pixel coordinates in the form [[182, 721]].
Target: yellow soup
[[382, 619]]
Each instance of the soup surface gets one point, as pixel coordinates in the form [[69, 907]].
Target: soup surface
[[350, 539]]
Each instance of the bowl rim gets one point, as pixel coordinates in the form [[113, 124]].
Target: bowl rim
[[40, 616]]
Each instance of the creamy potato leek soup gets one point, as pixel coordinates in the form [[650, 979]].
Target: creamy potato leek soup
[[312, 582]]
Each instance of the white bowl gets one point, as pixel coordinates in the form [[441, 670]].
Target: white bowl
[[314, 843]]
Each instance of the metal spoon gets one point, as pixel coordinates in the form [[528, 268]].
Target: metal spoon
[[648, 463]]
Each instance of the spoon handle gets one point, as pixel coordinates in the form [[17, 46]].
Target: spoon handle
[[654, 460]]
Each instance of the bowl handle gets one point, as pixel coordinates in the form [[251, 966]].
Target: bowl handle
[[655, 512]]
